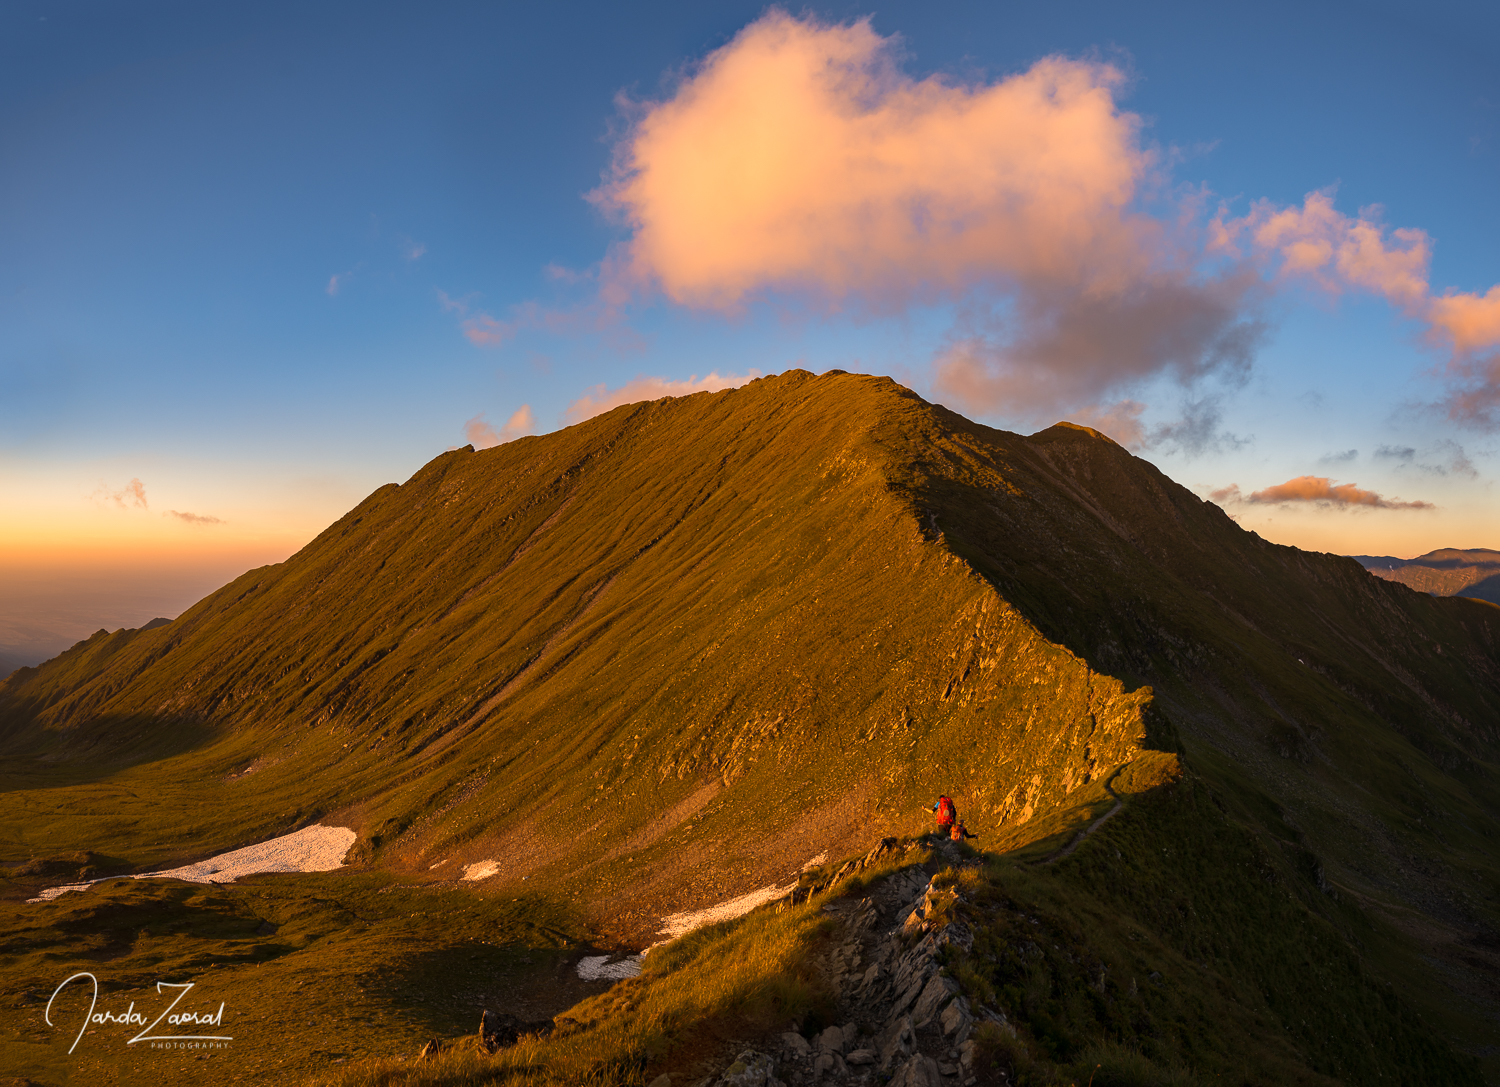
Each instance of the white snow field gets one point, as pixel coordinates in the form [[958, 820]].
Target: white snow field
[[312, 849]]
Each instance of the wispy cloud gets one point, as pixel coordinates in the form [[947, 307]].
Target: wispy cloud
[[482, 436], [599, 399], [334, 283], [1319, 490], [1447, 457], [1339, 458], [193, 518], [132, 494], [1197, 430], [1339, 252], [412, 250]]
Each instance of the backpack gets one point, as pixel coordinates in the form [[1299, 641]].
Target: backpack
[[946, 812], [959, 832]]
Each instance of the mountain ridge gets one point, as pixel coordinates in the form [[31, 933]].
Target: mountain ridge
[[1449, 571], [669, 654]]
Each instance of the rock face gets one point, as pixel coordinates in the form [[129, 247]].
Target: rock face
[[907, 1024]]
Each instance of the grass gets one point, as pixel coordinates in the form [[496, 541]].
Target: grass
[[312, 969], [747, 977]]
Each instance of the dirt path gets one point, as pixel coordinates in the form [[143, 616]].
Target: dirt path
[[1078, 839]]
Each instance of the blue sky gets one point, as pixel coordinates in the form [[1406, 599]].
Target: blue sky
[[228, 234]]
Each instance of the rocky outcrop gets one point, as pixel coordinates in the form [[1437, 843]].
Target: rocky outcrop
[[908, 1024]]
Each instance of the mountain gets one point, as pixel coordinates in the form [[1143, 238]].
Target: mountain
[[674, 653], [1448, 571]]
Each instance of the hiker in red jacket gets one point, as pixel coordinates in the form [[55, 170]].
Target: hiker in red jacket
[[947, 815]]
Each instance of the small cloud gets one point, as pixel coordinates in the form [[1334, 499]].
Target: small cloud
[[411, 250], [557, 273], [484, 331], [1458, 460], [1322, 490], [450, 304], [1339, 458], [193, 518], [1450, 459], [1196, 432], [597, 400], [132, 494], [483, 436], [1230, 493]]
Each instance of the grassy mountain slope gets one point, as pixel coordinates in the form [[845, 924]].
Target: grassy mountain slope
[[1449, 571], [670, 654]]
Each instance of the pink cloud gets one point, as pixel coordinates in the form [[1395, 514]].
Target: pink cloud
[[193, 518], [800, 159], [483, 330], [1120, 421], [133, 494], [1322, 490], [333, 285], [482, 436], [599, 399], [1339, 252], [799, 156]]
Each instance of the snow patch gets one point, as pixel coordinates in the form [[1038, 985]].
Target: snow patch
[[312, 849], [599, 968], [680, 924], [481, 869]]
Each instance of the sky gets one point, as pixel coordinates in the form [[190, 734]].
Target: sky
[[258, 260]]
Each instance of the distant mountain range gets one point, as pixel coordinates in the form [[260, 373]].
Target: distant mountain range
[[1447, 572], [675, 653]]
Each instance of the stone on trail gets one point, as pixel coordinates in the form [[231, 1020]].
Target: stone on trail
[[750, 1069], [934, 998], [897, 1042], [957, 1020], [920, 1071]]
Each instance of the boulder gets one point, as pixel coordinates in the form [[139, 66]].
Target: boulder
[[750, 1069], [957, 1021], [934, 998], [897, 1042], [829, 1064], [832, 1040], [794, 1043], [861, 1057], [919, 1071]]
